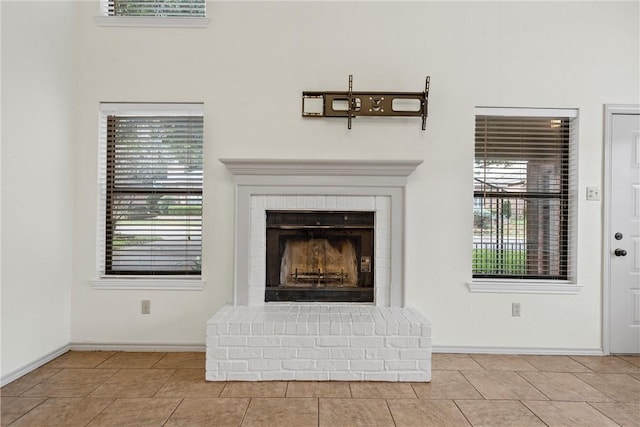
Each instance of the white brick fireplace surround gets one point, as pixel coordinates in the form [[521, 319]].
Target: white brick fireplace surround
[[381, 341]]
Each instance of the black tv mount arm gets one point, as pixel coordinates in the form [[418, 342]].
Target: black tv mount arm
[[352, 104]]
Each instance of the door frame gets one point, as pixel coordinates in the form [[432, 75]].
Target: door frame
[[609, 111]]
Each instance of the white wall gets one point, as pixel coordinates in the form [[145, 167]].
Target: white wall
[[37, 204], [250, 66]]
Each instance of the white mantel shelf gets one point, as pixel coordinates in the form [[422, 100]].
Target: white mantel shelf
[[313, 167]]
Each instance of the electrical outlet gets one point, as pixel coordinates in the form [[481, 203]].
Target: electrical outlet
[[146, 306], [515, 309]]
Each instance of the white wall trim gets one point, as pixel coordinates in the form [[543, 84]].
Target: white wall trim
[[159, 347], [525, 111], [609, 111], [312, 167], [154, 347], [544, 351], [524, 287], [14, 375], [151, 21], [148, 284]]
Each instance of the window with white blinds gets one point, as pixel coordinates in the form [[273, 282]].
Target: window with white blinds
[[155, 8], [524, 194], [152, 181]]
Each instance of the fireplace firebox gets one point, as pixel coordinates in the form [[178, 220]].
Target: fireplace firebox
[[324, 256]]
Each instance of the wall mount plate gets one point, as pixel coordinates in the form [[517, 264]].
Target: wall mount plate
[[352, 104]]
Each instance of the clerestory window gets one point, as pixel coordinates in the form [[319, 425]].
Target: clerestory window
[[151, 180], [160, 8], [153, 13], [524, 194]]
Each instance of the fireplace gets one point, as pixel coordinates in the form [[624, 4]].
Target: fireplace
[[322, 256], [374, 186], [310, 237]]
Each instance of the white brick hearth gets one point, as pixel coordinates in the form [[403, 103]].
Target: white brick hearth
[[252, 340], [318, 342]]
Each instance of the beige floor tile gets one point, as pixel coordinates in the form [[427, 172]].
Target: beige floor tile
[[498, 413], [318, 389], [556, 364], [499, 362], [446, 385], [71, 389], [80, 359], [564, 386], [385, 390], [63, 412], [136, 412], [282, 412], [255, 389], [420, 412], [192, 360], [354, 412], [209, 412], [24, 383], [625, 414], [608, 364], [620, 387], [71, 383], [131, 360], [189, 383], [455, 362], [634, 360], [12, 408], [563, 414], [503, 385], [133, 383]]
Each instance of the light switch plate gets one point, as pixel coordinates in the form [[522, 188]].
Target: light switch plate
[[145, 306], [593, 193]]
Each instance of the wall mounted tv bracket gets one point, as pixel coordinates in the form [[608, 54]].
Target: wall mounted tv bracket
[[352, 104]]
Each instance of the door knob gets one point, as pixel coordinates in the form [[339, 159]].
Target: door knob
[[620, 252]]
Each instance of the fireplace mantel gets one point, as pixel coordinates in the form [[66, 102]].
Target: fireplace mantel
[[313, 167], [373, 185]]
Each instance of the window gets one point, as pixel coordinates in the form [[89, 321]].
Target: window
[[153, 13], [151, 189], [160, 8], [524, 194]]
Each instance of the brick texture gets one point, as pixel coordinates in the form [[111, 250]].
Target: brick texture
[[310, 342]]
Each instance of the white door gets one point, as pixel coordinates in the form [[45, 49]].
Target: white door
[[624, 234]]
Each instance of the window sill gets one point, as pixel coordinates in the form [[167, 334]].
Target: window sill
[[524, 287], [136, 283], [151, 21]]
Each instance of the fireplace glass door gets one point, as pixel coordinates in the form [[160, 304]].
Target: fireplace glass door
[[320, 256]]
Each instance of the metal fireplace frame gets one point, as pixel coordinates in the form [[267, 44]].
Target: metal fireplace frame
[[356, 227]]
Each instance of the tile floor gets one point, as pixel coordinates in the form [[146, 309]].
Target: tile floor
[[168, 389]]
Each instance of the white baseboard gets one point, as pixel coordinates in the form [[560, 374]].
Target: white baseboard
[[519, 350], [14, 375], [137, 347]]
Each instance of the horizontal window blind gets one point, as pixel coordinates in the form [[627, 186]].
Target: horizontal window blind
[[154, 180], [524, 182], [158, 8]]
